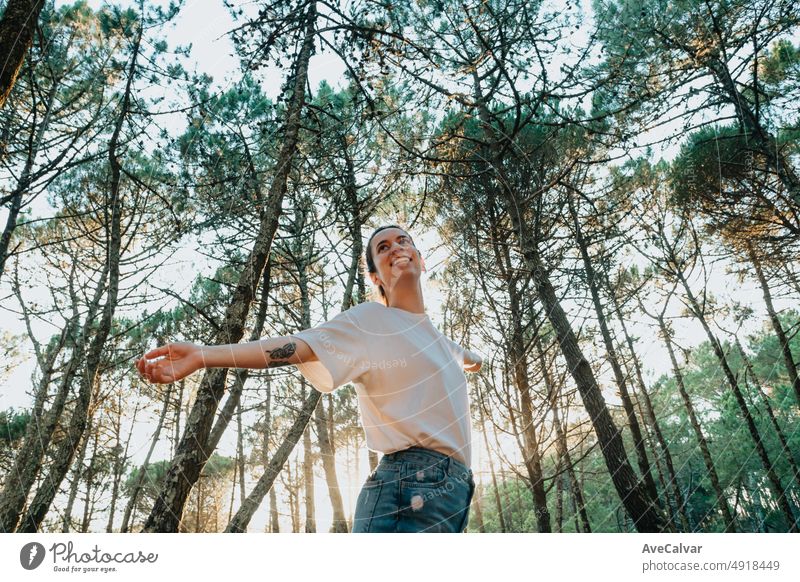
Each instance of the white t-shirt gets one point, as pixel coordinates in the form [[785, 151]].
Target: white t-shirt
[[409, 377]]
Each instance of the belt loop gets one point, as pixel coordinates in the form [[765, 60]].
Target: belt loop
[[449, 465]]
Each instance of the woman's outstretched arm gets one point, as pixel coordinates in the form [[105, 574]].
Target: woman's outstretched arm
[[174, 361]]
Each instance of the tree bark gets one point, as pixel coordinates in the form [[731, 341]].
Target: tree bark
[[561, 437], [495, 489], [17, 28], [638, 503], [721, 500], [519, 368], [64, 456], [193, 451], [611, 352], [777, 488], [788, 359], [143, 469], [680, 502]]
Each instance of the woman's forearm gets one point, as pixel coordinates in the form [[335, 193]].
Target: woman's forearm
[[264, 353]]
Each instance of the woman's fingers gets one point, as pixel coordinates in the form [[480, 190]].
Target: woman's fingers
[[159, 372], [160, 351], [167, 363]]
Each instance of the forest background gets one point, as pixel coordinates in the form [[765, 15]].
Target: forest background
[[606, 193]]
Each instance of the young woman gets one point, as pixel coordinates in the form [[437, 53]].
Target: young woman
[[410, 383]]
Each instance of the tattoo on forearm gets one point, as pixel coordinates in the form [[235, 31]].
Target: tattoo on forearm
[[279, 356]]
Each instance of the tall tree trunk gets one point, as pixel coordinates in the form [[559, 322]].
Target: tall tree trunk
[[66, 452], [177, 422], [559, 477], [788, 455], [126, 519], [193, 451], [611, 352], [476, 509], [788, 359], [240, 465], [495, 488], [310, 525], [273, 512], [17, 28], [329, 465], [721, 500], [90, 471], [519, 369], [77, 475], [561, 438], [273, 526], [680, 502], [777, 488], [642, 508]]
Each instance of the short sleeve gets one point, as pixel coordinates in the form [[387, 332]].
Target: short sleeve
[[458, 351], [340, 347]]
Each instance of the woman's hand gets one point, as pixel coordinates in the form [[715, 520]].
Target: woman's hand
[[170, 362]]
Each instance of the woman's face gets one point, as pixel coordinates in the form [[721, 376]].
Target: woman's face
[[395, 257]]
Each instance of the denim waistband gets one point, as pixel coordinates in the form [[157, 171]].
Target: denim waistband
[[424, 454]]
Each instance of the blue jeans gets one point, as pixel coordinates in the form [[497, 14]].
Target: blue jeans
[[415, 490]]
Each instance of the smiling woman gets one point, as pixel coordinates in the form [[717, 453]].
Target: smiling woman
[[411, 387]]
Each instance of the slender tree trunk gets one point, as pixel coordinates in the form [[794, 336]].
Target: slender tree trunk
[[559, 495], [17, 28], [611, 352], [477, 510], [721, 500], [771, 413], [308, 473], [329, 465], [673, 484], [273, 512], [273, 524], [77, 475], [530, 448], [495, 488], [240, 451], [193, 451], [178, 410], [126, 519], [788, 359], [90, 471], [561, 438], [777, 487]]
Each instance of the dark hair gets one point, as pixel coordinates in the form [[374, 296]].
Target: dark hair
[[371, 268]]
